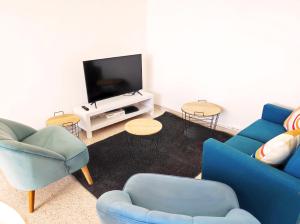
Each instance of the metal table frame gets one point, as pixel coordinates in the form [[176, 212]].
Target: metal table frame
[[72, 127], [212, 120], [199, 116]]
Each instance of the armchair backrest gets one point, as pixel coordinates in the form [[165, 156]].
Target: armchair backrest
[[11, 130]]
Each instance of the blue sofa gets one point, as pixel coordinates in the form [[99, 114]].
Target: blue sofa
[[270, 194]]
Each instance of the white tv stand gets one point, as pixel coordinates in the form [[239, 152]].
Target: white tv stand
[[94, 119]]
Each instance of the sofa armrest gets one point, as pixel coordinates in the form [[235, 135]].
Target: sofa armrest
[[275, 113], [269, 194]]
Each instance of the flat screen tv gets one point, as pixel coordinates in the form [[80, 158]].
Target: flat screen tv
[[110, 77]]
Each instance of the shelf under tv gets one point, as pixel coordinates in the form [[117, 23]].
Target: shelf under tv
[[94, 118]]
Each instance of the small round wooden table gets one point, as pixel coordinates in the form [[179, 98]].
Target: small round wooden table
[[68, 121], [143, 127], [201, 110]]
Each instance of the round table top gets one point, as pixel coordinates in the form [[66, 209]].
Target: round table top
[[201, 108], [143, 126], [63, 119], [9, 215]]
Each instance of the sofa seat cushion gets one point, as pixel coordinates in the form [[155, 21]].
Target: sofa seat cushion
[[244, 144], [57, 139], [262, 130]]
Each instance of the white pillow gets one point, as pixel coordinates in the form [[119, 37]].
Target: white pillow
[[293, 121], [279, 148]]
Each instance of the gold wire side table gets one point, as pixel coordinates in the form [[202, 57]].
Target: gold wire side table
[[200, 110], [68, 121]]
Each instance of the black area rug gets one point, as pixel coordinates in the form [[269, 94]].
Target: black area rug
[[113, 160]]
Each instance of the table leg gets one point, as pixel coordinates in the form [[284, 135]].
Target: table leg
[[216, 121]]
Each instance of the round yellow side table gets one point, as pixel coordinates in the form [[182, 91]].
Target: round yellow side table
[[68, 121], [143, 128]]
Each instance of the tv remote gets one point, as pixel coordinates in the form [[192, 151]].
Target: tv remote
[[85, 108]]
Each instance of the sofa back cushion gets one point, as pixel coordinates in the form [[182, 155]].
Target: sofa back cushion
[[275, 113], [293, 165]]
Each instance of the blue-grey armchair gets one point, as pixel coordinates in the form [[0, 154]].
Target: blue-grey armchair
[[32, 159], [161, 199]]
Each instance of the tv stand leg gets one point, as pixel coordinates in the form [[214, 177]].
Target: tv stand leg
[[89, 134], [95, 104], [133, 93]]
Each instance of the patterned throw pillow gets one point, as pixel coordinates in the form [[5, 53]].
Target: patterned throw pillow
[[293, 121], [278, 149]]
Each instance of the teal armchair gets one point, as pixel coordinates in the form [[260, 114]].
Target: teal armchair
[[32, 159], [162, 199]]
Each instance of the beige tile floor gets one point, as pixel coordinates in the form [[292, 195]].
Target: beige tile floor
[[65, 201]]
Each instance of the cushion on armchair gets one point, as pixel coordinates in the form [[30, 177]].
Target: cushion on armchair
[[59, 140]]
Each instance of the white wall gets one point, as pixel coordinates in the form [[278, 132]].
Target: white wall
[[43, 44], [239, 54]]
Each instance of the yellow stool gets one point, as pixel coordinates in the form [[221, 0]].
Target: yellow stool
[[68, 121]]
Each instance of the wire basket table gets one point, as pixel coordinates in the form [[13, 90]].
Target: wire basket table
[[200, 111], [68, 121]]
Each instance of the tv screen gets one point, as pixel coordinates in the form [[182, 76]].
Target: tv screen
[[110, 77]]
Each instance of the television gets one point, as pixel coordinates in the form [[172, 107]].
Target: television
[[109, 77]]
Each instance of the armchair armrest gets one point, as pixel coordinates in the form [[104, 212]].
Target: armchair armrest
[[31, 149], [275, 113], [29, 167], [241, 216], [269, 194], [116, 205]]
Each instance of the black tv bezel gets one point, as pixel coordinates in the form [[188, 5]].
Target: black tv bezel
[[108, 58]]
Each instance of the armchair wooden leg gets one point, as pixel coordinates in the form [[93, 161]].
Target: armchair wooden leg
[[31, 195], [87, 175]]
